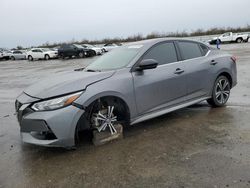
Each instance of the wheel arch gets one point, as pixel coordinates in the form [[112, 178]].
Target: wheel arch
[[106, 96], [227, 75], [239, 38]]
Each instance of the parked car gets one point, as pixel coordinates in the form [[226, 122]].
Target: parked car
[[231, 37], [18, 54], [41, 53], [1, 54], [128, 85], [5, 54], [98, 50], [76, 50], [109, 46]]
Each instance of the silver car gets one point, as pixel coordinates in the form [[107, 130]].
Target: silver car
[[18, 54], [131, 84]]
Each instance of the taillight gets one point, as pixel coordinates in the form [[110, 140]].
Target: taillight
[[234, 59]]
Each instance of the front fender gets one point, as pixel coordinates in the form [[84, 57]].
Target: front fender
[[120, 86]]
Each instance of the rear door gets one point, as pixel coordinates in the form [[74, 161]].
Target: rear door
[[163, 86], [194, 56]]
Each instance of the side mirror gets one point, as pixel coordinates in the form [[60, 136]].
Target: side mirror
[[147, 64]]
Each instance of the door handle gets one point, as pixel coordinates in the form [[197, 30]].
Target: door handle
[[178, 71], [213, 62]]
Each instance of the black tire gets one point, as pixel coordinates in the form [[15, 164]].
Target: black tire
[[30, 58], [239, 40], [92, 54], [81, 55], [221, 92], [46, 57], [12, 58]]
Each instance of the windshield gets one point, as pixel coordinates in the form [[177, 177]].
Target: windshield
[[88, 45], [115, 59], [45, 49], [78, 46]]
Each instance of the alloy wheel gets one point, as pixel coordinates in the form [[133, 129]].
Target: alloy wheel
[[105, 119], [222, 91]]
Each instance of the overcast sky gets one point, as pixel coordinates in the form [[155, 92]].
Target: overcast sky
[[34, 22]]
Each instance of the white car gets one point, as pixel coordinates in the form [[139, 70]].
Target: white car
[[231, 37], [97, 50], [18, 54], [110, 46], [41, 53], [5, 54]]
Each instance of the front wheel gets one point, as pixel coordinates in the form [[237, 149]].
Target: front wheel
[[221, 92], [12, 58]]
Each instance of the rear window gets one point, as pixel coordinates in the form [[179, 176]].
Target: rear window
[[190, 50]]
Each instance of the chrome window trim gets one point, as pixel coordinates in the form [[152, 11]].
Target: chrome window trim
[[185, 60]]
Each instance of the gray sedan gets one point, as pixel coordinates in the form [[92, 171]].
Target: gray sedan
[[18, 54], [131, 84]]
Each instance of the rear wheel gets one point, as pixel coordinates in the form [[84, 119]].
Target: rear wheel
[[46, 57], [30, 58], [221, 92], [92, 53], [81, 55], [239, 40], [12, 58]]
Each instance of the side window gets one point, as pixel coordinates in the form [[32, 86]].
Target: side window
[[163, 53], [204, 49], [34, 50], [189, 50], [226, 35]]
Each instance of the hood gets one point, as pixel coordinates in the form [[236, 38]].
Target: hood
[[96, 48], [65, 83]]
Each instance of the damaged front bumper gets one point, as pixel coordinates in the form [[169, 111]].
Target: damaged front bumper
[[47, 128]]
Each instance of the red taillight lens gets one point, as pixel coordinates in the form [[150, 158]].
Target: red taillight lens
[[234, 59]]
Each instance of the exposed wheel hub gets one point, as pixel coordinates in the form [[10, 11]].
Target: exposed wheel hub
[[105, 119]]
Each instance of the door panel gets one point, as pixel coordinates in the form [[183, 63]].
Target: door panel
[[198, 77], [197, 68], [160, 87]]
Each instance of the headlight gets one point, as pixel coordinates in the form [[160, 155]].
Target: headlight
[[56, 103]]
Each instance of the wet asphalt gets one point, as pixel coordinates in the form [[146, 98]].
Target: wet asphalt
[[198, 146]]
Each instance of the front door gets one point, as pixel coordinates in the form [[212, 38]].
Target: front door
[[164, 86]]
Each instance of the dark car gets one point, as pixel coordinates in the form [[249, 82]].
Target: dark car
[[70, 50]]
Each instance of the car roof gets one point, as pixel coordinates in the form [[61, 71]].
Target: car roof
[[157, 40]]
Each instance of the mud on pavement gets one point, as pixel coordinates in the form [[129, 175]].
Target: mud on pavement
[[198, 146]]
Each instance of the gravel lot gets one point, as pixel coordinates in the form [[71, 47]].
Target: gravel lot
[[197, 146]]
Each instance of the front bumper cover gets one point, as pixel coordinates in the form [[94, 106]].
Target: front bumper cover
[[48, 128]]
